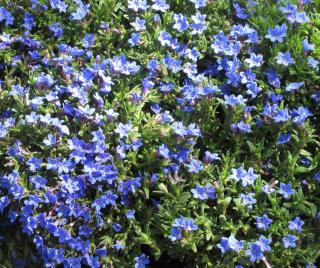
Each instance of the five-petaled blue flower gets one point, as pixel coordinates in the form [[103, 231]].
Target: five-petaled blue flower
[[277, 33], [263, 222], [296, 224], [289, 241], [286, 190], [181, 22], [230, 244], [284, 58]]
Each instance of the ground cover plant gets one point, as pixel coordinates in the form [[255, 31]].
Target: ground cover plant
[[157, 133]]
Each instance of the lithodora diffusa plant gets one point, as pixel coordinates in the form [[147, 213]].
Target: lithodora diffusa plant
[[154, 133]]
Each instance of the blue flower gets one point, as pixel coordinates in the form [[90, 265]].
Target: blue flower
[[199, 24], [195, 166], [292, 14], [294, 86], [238, 174], [240, 12], [117, 227], [156, 18], [119, 246], [256, 249], [224, 245], [252, 89], [284, 58], [248, 200], [44, 80], [199, 192], [165, 38], [273, 78], [29, 225], [29, 21], [38, 182], [284, 138], [264, 243], [241, 127], [222, 45], [160, 5], [254, 60], [56, 29], [80, 12], [101, 252], [297, 17], [306, 162], [134, 40], [230, 243], [172, 64], [4, 202], [289, 241], [286, 190], [50, 140], [282, 116], [193, 130], [181, 22], [306, 46], [288, 9], [58, 4], [233, 100], [185, 223], [88, 40], [254, 252], [209, 157], [125, 187], [139, 24], [204, 193], [250, 177], [123, 129], [179, 129], [3, 131], [277, 33], [53, 164], [175, 234], [85, 230], [130, 214], [180, 224], [199, 3], [296, 224], [141, 261], [34, 163], [137, 5], [6, 16], [263, 222], [104, 200], [166, 117], [275, 98], [300, 115], [69, 185], [246, 177], [313, 63], [317, 176], [164, 151]]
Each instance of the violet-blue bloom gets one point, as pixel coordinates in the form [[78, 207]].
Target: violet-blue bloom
[[181, 22], [263, 222], [286, 190], [277, 33], [284, 58], [296, 224], [289, 241]]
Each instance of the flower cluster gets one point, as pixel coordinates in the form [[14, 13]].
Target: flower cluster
[[133, 132]]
